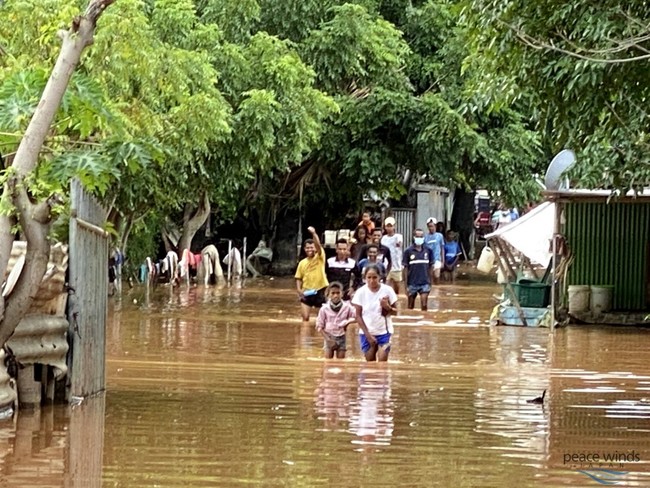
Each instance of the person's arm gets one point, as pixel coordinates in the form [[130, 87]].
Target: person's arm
[[458, 253], [320, 327], [352, 280], [299, 287], [328, 338], [298, 276], [405, 271], [316, 239], [352, 317], [387, 257], [370, 338], [389, 308]]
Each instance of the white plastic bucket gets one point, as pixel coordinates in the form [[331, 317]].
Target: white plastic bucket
[[579, 298], [601, 298], [486, 261]]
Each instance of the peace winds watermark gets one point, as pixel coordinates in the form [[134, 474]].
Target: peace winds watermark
[[602, 467]]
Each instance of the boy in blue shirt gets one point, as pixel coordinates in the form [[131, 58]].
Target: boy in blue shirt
[[452, 254], [435, 241]]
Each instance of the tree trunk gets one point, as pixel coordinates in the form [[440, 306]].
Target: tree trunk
[[34, 217], [462, 216], [193, 220], [124, 234]]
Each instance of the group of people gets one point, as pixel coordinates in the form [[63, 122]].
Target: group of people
[[486, 221], [360, 284]]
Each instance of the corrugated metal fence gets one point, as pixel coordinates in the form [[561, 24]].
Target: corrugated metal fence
[[610, 245], [87, 306], [404, 222]]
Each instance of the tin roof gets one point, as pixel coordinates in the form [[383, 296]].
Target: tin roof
[[579, 194]]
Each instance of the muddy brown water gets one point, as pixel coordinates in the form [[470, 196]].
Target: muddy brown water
[[223, 387]]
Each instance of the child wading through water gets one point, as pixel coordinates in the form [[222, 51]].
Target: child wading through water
[[333, 320], [375, 303]]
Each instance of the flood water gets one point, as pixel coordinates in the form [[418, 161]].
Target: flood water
[[223, 387]]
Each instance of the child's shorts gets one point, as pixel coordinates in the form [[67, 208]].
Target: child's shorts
[[339, 343], [316, 299], [383, 341]]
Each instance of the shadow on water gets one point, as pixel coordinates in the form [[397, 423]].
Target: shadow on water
[[223, 386]]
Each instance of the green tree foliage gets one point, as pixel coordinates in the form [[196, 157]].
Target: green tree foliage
[[405, 106], [236, 19], [581, 69], [246, 102], [356, 49], [474, 144], [157, 124], [411, 105], [277, 112]]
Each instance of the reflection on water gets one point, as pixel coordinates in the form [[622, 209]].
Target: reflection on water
[[371, 418], [333, 397], [54, 447], [222, 386]]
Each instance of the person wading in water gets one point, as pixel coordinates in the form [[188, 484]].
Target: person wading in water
[[375, 303], [311, 281]]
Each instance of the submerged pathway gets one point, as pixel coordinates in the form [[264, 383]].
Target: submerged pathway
[[223, 387]]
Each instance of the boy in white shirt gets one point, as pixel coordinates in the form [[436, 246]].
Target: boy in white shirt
[[395, 243]]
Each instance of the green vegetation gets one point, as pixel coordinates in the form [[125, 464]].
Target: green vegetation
[[579, 70], [182, 108]]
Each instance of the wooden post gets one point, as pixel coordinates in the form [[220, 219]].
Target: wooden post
[[513, 296], [29, 388], [509, 272], [229, 259], [554, 261], [86, 444], [88, 270], [243, 258], [512, 262]]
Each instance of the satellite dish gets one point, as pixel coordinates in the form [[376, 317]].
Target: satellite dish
[[554, 179]]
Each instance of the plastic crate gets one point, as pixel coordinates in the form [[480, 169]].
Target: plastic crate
[[532, 293]]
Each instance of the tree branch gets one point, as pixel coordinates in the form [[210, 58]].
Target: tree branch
[[591, 55], [194, 223], [34, 219], [622, 45], [95, 10]]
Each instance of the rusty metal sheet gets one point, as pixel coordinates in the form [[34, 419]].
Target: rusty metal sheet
[[41, 338], [8, 393], [53, 281]]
